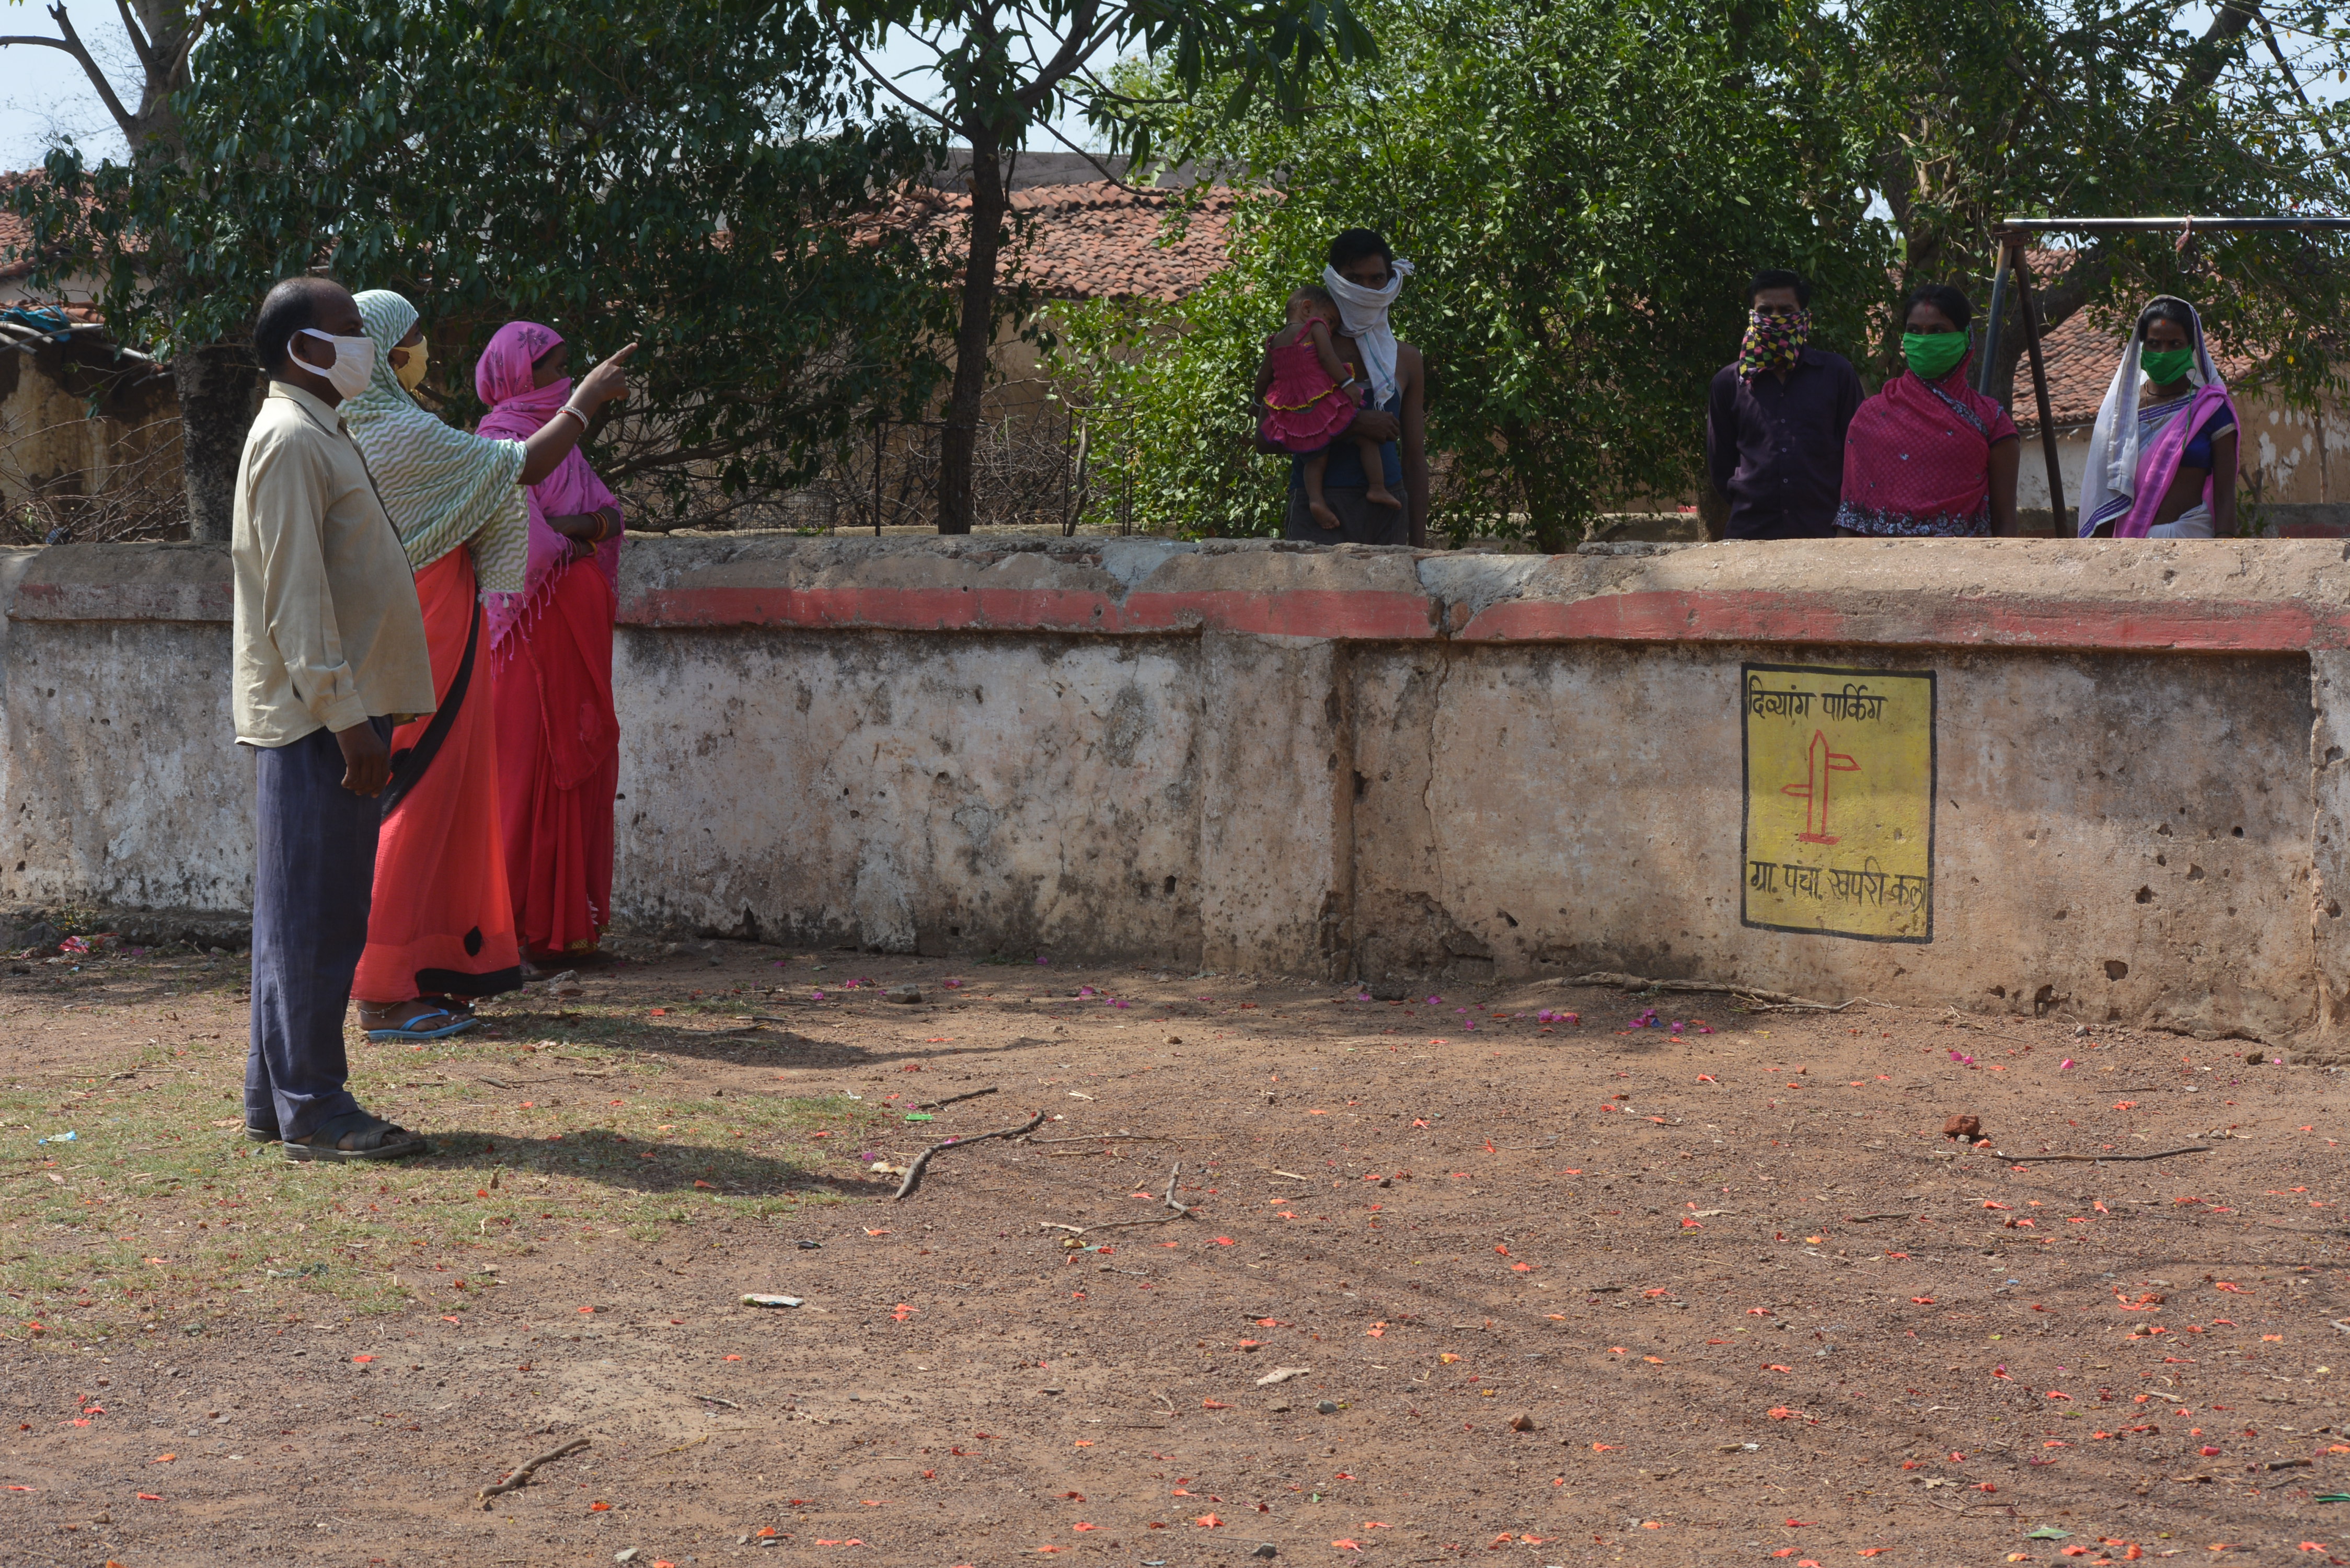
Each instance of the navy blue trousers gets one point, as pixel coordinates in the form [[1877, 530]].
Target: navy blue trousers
[[312, 882]]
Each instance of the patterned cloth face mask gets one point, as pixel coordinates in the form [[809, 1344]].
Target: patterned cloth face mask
[[1774, 338]]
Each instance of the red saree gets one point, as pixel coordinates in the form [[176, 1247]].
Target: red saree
[[443, 921], [559, 763]]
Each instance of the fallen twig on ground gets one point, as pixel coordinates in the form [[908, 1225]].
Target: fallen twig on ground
[[1171, 1175], [1180, 1211], [715, 1400], [1634, 983], [521, 1478], [1966, 1020], [914, 1172], [955, 1099], [1124, 1224], [2093, 1159], [1864, 1219], [1106, 1137], [2206, 1035]]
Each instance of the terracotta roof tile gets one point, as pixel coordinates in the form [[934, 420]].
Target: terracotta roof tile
[[15, 233], [1101, 241]]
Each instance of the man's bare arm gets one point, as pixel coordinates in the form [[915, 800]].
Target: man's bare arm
[[367, 762], [1412, 370]]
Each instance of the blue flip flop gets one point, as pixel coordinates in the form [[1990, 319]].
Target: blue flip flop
[[458, 1024]]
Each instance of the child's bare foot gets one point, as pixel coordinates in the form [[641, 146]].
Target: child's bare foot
[[1380, 495], [1323, 514]]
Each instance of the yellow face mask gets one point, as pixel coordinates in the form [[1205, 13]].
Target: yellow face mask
[[412, 375]]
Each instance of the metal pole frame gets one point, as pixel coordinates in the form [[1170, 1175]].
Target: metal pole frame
[[1990, 330], [2039, 385], [2129, 225]]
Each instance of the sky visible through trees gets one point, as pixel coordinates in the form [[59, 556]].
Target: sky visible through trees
[[43, 96]]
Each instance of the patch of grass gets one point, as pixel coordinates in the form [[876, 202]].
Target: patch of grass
[[161, 1217]]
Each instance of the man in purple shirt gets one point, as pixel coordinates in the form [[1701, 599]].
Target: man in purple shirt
[[1775, 420]]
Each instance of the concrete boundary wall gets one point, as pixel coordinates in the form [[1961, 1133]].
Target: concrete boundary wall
[[1388, 765]]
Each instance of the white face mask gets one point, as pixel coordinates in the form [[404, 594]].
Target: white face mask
[[354, 363]]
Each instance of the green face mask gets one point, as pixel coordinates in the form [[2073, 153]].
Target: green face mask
[[2164, 365], [1931, 354]]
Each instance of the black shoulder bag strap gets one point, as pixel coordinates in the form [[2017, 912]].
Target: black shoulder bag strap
[[408, 766]]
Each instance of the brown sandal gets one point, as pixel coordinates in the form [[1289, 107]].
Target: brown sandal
[[355, 1135]]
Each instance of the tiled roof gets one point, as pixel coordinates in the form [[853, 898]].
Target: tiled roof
[[1099, 241], [2080, 363], [15, 233]]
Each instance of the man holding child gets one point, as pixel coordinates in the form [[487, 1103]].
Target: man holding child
[[1388, 381]]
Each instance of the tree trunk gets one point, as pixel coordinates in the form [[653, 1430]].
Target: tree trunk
[[216, 385], [959, 443]]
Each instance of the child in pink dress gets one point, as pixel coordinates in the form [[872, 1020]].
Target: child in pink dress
[[1309, 391]]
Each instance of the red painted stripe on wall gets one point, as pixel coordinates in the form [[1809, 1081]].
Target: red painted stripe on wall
[[1896, 619], [1353, 615], [2248, 627]]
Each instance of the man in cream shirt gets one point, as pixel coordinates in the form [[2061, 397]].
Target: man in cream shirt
[[330, 655]]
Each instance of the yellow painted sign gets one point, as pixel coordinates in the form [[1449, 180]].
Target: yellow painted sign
[[1839, 833]]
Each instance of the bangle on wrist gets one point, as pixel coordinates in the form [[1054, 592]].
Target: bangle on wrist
[[574, 410]]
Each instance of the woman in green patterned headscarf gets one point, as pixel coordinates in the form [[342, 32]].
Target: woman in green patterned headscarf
[[441, 931]]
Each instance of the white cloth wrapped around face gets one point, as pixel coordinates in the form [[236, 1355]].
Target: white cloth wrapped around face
[[1364, 313]]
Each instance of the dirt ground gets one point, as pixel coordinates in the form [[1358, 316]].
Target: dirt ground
[[1708, 1287]]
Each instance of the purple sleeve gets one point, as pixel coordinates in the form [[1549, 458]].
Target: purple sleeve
[[1721, 430]]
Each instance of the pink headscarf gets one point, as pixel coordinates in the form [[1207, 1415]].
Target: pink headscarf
[[503, 379]]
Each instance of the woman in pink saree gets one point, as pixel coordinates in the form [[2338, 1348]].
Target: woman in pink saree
[[551, 666]]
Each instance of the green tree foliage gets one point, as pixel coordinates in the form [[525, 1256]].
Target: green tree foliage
[[1584, 188], [1585, 185], [1006, 68], [700, 177], [2027, 108]]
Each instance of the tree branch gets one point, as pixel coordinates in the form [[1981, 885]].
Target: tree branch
[[196, 25], [1099, 167], [1065, 61], [893, 89], [74, 46], [2294, 81], [2060, 300], [140, 43], [2209, 54]]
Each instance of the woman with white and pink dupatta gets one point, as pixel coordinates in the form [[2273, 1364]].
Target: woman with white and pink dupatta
[[2162, 459], [551, 666]]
